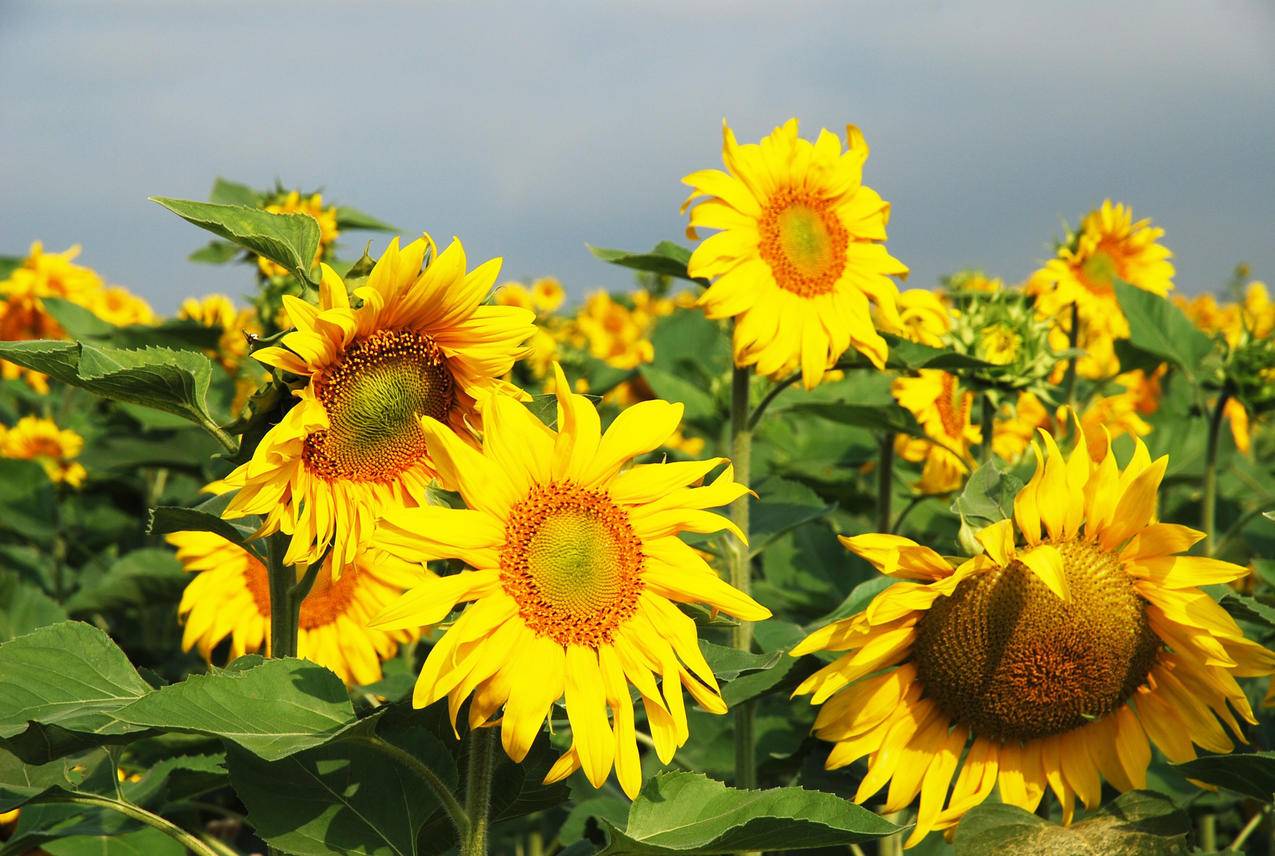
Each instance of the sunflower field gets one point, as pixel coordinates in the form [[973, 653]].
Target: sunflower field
[[766, 554]]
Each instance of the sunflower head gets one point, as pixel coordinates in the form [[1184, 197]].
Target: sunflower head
[[798, 260], [575, 570], [55, 449], [1053, 659], [409, 343], [1002, 330]]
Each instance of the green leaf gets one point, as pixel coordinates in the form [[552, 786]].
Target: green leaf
[[291, 240], [24, 608], [343, 798], [688, 813], [137, 842], [353, 218], [149, 575], [666, 259], [1159, 327], [26, 500], [1251, 774], [690, 340], [215, 253], [273, 709], [988, 495], [1137, 823], [1249, 609], [226, 192], [205, 517], [172, 381], [913, 355], [20, 782], [781, 506], [700, 406], [8, 264], [70, 675]]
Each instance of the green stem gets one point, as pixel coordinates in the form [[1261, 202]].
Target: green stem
[[1208, 832], [1073, 341], [478, 776], [186, 839], [59, 548], [988, 428], [1208, 512], [227, 442], [885, 482], [451, 806], [741, 568], [284, 609], [907, 509], [1249, 828]]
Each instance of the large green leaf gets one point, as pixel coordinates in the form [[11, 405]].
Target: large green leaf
[[24, 608], [988, 496], [20, 782], [1138, 823], [688, 813], [1251, 774], [700, 406], [149, 575], [1160, 328], [345, 797], [70, 675], [291, 240], [353, 218], [781, 506], [665, 259], [173, 381], [137, 842], [273, 708], [205, 517], [226, 192]]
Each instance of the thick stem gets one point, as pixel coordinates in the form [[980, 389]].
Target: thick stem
[[141, 815], [1208, 511], [1208, 832], [885, 482], [741, 569], [284, 609], [478, 776], [988, 428], [1073, 341]]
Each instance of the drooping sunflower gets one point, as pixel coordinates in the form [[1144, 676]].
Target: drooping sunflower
[[420, 343], [229, 598], [935, 398], [799, 260], [1108, 245], [41, 440], [1077, 639], [576, 568]]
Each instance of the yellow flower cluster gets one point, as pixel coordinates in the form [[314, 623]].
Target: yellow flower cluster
[[218, 310], [294, 203], [55, 275], [41, 440]]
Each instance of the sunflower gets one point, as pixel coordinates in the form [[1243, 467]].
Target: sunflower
[[53, 448], [420, 344], [229, 598], [799, 255], [1075, 640], [1108, 245], [218, 311], [936, 400], [924, 317], [576, 573]]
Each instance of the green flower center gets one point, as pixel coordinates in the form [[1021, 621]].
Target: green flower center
[[374, 398], [572, 562], [1006, 657], [803, 242]]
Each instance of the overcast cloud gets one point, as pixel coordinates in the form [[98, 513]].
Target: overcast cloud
[[529, 129]]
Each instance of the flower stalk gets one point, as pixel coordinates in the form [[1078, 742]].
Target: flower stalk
[[478, 779], [741, 569], [1208, 510]]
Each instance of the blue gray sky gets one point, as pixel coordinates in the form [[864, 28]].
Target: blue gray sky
[[529, 129]]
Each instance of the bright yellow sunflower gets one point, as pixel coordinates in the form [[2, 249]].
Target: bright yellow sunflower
[[41, 440], [935, 398], [218, 311], [799, 255], [1108, 245], [229, 598], [1077, 639], [576, 573], [420, 343]]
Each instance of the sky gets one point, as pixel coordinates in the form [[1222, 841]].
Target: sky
[[533, 129]]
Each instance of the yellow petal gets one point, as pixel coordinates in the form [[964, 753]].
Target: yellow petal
[[998, 541], [586, 709], [1046, 562], [433, 599]]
